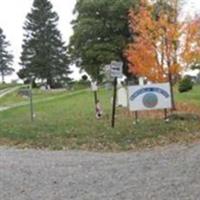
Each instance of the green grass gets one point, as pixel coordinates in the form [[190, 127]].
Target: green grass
[[8, 85], [15, 97], [69, 122], [192, 96]]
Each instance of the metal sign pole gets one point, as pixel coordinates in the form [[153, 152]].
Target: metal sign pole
[[115, 72], [114, 102]]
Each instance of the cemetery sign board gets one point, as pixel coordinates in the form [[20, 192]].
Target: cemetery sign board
[[149, 97]]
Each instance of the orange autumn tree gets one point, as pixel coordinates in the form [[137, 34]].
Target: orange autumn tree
[[157, 48], [191, 53]]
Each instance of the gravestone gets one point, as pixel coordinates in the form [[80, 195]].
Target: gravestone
[[24, 92], [122, 97]]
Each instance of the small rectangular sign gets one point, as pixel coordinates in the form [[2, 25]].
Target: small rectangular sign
[[149, 97], [116, 69], [94, 86]]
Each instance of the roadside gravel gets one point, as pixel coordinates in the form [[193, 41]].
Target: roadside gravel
[[169, 173]]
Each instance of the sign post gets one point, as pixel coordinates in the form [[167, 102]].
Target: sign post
[[165, 114], [94, 89], [95, 97], [96, 101], [114, 102], [31, 101], [115, 72], [136, 117]]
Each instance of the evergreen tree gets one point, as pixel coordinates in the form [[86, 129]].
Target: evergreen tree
[[6, 57], [44, 54]]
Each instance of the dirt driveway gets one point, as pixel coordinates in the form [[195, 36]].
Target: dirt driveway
[[170, 173]]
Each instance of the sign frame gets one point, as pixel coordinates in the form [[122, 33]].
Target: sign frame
[[149, 97]]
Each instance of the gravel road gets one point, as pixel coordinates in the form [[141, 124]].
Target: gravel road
[[171, 173]]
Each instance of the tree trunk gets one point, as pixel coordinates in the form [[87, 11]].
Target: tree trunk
[[50, 82], [171, 88]]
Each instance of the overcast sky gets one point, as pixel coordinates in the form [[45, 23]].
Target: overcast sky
[[13, 14], [12, 17]]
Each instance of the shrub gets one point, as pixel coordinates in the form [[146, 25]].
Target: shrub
[[185, 84]]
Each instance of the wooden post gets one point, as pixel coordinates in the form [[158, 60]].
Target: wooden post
[[31, 101], [114, 102], [94, 89], [165, 114], [95, 97], [136, 117]]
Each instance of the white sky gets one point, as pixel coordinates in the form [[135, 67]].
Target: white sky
[[13, 14]]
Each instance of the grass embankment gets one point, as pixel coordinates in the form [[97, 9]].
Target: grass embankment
[[15, 97], [8, 85], [69, 122]]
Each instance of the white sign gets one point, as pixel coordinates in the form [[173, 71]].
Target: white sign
[[149, 97], [94, 86], [116, 69]]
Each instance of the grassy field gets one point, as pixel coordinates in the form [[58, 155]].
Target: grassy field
[[15, 97], [191, 97], [9, 85], [69, 122]]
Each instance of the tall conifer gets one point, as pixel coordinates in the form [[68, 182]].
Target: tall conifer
[[6, 57], [44, 54]]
